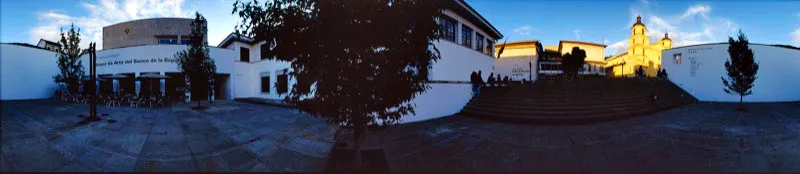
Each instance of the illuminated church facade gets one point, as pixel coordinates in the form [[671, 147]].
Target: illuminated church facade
[[640, 53]]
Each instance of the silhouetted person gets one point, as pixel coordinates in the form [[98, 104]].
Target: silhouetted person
[[480, 79], [506, 81], [490, 81], [473, 79], [498, 80]]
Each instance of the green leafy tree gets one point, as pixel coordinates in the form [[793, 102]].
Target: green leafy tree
[[572, 62], [741, 68], [195, 63], [358, 63], [69, 62]]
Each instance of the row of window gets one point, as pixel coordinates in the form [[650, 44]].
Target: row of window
[[174, 41], [448, 32], [244, 53], [281, 85]]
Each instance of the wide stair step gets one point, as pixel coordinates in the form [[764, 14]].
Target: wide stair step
[[576, 102]]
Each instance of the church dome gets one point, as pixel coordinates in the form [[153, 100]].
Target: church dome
[[638, 21], [666, 37]]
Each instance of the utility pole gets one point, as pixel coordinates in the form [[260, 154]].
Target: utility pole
[[93, 77]]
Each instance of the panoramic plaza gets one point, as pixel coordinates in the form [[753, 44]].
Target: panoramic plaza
[[370, 87]]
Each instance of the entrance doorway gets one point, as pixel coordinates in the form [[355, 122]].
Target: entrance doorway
[[175, 86], [222, 86]]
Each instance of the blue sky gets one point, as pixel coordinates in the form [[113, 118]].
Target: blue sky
[[688, 22]]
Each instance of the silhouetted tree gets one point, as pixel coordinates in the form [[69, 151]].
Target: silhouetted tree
[[367, 59], [741, 68], [69, 63], [195, 62], [572, 62]]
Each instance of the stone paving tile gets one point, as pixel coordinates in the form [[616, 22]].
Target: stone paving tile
[[240, 159], [95, 157], [165, 147], [118, 163], [213, 163], [187, 165], [78, 166], [263, 147], [284, 160]]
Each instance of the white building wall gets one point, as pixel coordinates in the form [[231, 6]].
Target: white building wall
[[152, 58], [27, 73], [702, 66], [156, 58], [455, 65]]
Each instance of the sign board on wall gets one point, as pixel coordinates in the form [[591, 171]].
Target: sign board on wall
[[103, 60], [694, 62]]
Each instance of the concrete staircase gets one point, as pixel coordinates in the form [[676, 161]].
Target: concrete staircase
[[576, 102]]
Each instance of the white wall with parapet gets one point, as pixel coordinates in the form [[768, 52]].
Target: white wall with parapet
[[27, 73], [457, 62], [701, 67], [455, 65]]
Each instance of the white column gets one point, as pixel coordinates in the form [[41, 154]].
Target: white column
[[137, 83], [162, 84], [115, 86]]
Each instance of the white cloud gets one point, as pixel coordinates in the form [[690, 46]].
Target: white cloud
[[796, 36], [618, 47], [684, 30], [103, 13], [577, 33], [701, 9], [694, 25], [523, 30]]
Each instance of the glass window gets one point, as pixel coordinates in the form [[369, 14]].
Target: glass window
[[466, 36], [282, 83], [265, 83], [163, 41], [184, 41], [489, 47], [448, 28], [244, 54], [478, 42], [677, 58]]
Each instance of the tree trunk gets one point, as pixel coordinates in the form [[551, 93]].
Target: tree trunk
[[741, 107], [357, 132]]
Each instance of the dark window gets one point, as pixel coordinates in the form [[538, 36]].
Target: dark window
[[264, 48], [282, 83], [448, 28], [184, 41], [244, 54], [489, 47], [466, 36], [478, 42], [265, 84]]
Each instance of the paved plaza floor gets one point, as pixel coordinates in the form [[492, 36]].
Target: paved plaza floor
[[42, 135], [697, 138]]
